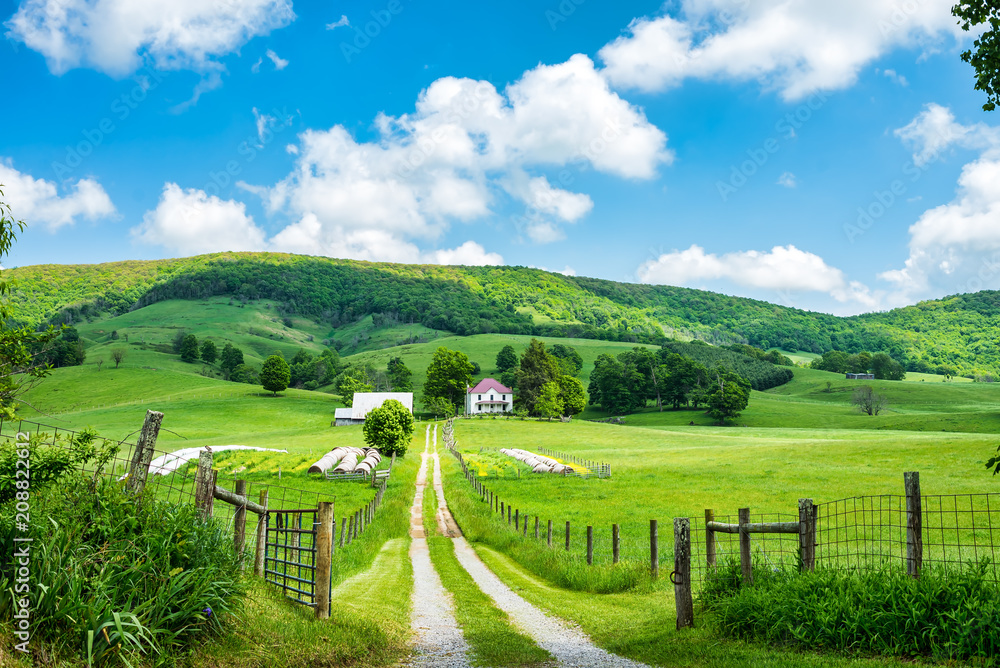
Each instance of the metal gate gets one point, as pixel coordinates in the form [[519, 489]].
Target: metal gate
[[290, 553]]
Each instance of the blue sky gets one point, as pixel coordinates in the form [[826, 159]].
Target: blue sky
[[831, 157]]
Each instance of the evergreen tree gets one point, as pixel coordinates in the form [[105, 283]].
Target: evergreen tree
[[569, 360]]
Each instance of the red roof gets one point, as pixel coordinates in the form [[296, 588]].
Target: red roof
[[487, 384]]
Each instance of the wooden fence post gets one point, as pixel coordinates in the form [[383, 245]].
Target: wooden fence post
[[508, 514], [536, 527], [524, 527], [240, 519], [682, 572], [654, 551], [550, 533], [343, 530], [517, 519], [143, 453], [258, 563], [709, 539], [350, 529], [615, 543], [914, 525], [324, 562], [807, 534], [567, 536], [204, 486], [746, 563], [590, 545]]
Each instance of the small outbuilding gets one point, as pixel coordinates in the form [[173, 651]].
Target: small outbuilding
[[860, 376], [369, 401]]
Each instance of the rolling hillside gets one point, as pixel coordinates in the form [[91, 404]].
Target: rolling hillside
[[367, 306]]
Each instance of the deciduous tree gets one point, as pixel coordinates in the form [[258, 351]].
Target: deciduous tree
[[275, 374], [506, 359], [448, 376], [389, 428], [868, 401], [985, 54], [730, 395], [209, 352], [118, 355], [189, 348]]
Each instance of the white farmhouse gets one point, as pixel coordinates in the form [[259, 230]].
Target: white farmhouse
[[489, 396], [368, 401]]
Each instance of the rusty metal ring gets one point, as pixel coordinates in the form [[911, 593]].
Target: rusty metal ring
[[672, 580]]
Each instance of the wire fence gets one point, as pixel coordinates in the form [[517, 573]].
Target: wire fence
[[905, 532], [286, 548]]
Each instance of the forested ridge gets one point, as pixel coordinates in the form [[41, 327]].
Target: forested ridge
[[959, 331]]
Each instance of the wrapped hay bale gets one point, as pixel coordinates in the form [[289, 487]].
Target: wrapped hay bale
[[348, 464], [328, 460]]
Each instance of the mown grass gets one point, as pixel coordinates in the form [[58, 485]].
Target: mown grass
[[806, 402], [493, 639]]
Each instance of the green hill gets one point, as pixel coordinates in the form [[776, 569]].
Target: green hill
[[366, 306]]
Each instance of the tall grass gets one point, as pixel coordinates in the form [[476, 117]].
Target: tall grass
[[115, 578], [944, 615]]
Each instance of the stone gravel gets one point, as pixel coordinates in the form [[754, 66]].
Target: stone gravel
[[438, 639]]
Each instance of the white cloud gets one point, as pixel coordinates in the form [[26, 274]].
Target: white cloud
[[787, 179], [895, 76], [190, 221], [796, 46], [116, 36], [342, 21], [954, 247], [934, 129], [279, 62], [465, 150], [255, 68], [38, 201], [783, 268], [470, 253]]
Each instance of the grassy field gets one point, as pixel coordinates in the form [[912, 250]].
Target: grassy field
[[807, 402]]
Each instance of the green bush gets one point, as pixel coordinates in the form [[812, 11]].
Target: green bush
[[945, 615], [115, 577]]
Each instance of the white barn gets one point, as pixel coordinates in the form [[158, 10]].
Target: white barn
[[368, 401], [489, 396]]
